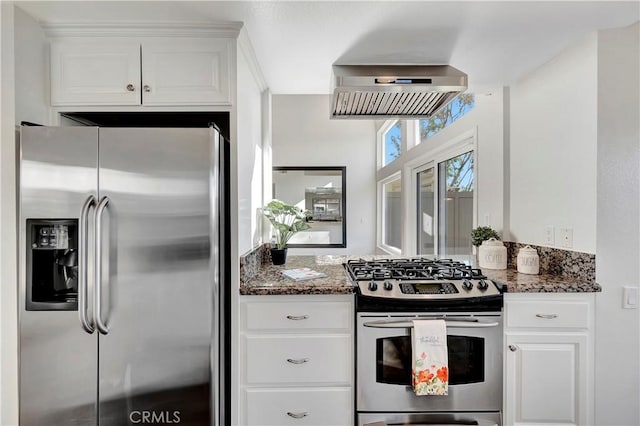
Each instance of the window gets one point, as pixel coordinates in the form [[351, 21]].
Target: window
[[455, 205], [447, 115], [392, 213], [443, 202], [392, 143]]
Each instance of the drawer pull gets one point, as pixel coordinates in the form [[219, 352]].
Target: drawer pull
[[547, 316], [297, 415], [513, 348], [298, 361], [297, 317]]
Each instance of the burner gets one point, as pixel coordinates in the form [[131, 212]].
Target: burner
[[419, 268], [401, 284]]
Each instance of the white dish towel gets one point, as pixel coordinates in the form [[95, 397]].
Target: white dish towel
[[430, 370]]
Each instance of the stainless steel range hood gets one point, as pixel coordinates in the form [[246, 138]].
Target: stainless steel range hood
[[393, 91]]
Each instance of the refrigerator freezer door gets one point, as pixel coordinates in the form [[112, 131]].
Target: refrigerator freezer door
[[157, 286], [58, 358]]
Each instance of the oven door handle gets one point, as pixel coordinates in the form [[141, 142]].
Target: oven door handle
[[420, 424], [450, 324]]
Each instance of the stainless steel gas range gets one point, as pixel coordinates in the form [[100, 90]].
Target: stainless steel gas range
[[390, 294]]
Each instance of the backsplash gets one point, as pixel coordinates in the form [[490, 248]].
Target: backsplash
[[555, 261], [251, 262], [567, 263]]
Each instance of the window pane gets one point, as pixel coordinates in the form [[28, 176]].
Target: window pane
[[455, 206], [425, 212], [392, 143], [392, 214], [447, 115]]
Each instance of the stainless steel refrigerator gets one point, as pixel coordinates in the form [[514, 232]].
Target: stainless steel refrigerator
[[122, 275]]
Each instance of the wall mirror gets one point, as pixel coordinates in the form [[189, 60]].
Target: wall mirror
[[321, 191]]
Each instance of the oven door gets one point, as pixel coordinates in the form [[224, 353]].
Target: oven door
[[474, 345], [430, 419]]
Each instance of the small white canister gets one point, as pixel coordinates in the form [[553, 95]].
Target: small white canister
[[528, 261], [492, 254]]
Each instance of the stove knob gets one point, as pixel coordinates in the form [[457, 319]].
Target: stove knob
[[373, 286], [467, 285], [388, 285], [482, 285]]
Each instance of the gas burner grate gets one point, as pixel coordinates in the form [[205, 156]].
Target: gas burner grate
[[411, 269]]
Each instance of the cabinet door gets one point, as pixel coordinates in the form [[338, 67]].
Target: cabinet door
[[186, 72], [546, 379], [88, 72]]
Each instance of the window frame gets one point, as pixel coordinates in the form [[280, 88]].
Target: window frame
[[381, 206], [465, 142], [381, 141]]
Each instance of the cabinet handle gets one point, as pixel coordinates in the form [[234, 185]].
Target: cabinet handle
[[297, 415], [298, 361], [131, 87], [147, 88], [297, 317], [547, 316], [513, 348]]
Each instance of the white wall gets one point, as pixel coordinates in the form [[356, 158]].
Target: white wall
[[303, 135], [31, 63], [8, 289], [553, 149], [249, 166], [584, 104], [618, 228], [250, 155]]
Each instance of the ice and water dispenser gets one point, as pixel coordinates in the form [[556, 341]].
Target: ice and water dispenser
[[52, 264]]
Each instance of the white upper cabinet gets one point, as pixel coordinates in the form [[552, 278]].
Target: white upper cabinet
[[88, 72], [146, 71], [186, 72]]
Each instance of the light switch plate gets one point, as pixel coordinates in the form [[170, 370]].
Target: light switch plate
[[630, 297], [549, 235]]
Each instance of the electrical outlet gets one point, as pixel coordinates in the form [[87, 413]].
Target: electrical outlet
[[549, 235], [487, 219], [566, 237]]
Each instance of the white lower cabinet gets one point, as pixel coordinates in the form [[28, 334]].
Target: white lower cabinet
[[549, 359], [299, 406], [296, 358]]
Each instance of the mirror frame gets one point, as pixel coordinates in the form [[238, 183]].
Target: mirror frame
[[343, 170]]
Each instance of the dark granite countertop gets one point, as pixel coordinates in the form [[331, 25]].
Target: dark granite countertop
[[514, 282], [267, 279], [270, 281]]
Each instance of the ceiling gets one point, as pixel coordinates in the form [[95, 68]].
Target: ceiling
[[296, 42]]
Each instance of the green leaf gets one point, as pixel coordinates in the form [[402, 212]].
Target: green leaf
[[286, 220]]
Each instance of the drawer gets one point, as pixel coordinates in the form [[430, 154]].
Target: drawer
[[306, 407], [298, 359], [547, 314], [298, 315]]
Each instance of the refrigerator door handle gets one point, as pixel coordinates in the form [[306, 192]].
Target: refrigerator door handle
[[82, 264], [97, 302]]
